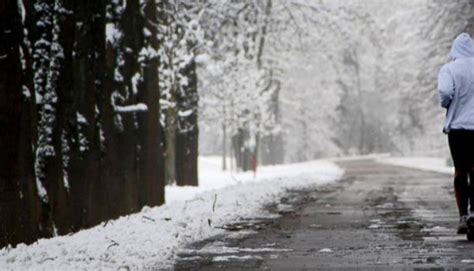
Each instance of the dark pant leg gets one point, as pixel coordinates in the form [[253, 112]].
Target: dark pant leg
[[461, 191], [471, 190], [470, 165], [459, 145]]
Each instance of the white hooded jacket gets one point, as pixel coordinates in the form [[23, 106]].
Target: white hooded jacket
[[456, 85]]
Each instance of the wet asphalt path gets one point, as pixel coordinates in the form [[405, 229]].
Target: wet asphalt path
[[378, 217]]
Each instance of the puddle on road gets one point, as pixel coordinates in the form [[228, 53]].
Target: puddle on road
[[248, 224]]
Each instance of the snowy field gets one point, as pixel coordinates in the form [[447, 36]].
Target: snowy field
[[151, 238]]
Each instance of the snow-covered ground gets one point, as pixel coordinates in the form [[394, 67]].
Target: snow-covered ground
[[423, 163], [151, 238]]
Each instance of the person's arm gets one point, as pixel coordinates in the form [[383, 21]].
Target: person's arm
[[445, 87]]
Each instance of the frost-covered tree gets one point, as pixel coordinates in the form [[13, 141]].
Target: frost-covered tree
[[374, 63], [240, 77], [181, 38], [151, 158]]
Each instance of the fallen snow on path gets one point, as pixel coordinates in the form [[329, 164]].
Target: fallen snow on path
[[151, 238], [423, 163]]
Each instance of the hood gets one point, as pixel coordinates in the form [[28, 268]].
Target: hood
[[463, 47]]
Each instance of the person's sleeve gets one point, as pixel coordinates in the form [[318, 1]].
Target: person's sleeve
[[445, 87]]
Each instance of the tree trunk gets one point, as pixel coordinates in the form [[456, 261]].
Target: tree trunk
[[151, 159], [52, 78], [271, 147], [85, 178], [19, 204], [170, 158], [187, 158], [120, 129], [38, 23], [242, 151], [188, 132], [60, 82], [224, 147]]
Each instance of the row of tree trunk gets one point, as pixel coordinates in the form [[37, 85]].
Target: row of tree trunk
[[80, 135]]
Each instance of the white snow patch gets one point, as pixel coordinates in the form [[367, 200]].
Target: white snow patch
[[66, 181], [113, 35], [135, 79], [147, 53], [212, 177], [39, 98], [190, 214], [80, 118], [186, 113], [467, 261], [202, 59], [326, 250], [117, 75], [184, 81], [140, 107], [55, 230], [146, 32], [42, 194], [21, 9], [26, 92]]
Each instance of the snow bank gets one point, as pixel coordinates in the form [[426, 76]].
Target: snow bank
[[151, 238], [423, 163], [140, 107]]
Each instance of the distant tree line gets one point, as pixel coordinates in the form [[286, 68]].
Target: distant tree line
[[366, 80]]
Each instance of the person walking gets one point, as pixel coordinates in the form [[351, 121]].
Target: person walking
[[456, 94]]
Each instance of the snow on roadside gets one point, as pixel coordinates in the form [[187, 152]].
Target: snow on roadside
[[151, 238], [423, 163]]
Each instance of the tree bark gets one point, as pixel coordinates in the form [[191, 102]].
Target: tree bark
[[170, 153], [87, 186], [187, 148], [19, 204], [224, 147], [151, 159], [120, 152], [60, 81], [132, 23]]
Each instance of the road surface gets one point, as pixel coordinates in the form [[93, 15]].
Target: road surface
[[378, 217]]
